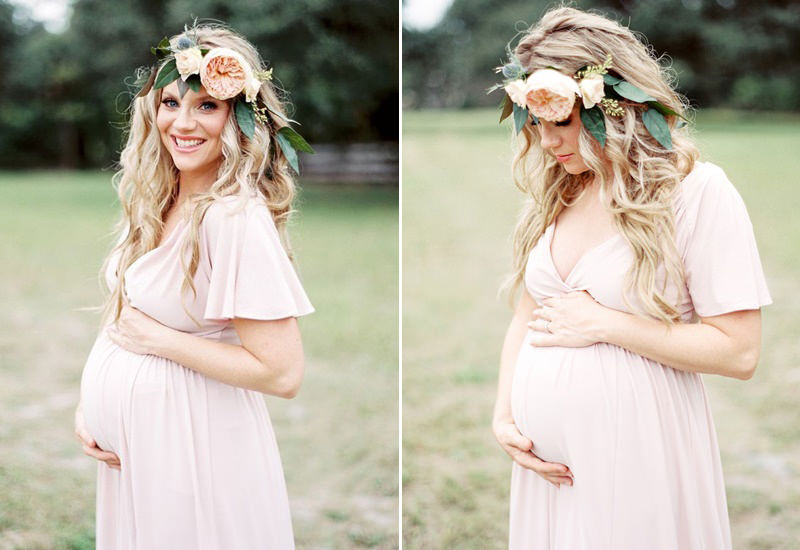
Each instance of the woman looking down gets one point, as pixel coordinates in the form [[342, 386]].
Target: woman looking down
[[638, 271]]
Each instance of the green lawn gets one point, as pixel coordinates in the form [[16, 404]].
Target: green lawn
[[338, 438], [459, 208]]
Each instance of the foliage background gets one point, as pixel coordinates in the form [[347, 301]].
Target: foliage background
[[338, 59]]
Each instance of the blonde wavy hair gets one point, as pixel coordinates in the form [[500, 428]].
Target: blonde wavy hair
[[147, 179], [637, 176]]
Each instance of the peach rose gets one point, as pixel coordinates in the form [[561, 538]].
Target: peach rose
[[592, 90], [224, 73], [188, 62], [550, 94]]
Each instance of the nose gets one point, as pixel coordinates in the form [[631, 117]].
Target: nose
[[185, 120], [550, 136]]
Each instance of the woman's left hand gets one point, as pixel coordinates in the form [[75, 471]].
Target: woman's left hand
[[572, 320], [137, 332]]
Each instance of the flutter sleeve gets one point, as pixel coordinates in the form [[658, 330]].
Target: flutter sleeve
[[251, 275], [720, 256]]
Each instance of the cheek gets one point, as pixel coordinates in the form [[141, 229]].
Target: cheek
[[163, 121], [216, 124]]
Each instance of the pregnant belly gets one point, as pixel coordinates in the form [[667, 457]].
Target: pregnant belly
[[566, 400], [113, 379]]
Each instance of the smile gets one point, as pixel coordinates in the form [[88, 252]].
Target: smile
[[186, 145]]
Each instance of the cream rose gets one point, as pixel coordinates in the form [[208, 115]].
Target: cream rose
[[224, 73], [517, 91], [251, 89], [188, 61], [550, 94], [592, 90]]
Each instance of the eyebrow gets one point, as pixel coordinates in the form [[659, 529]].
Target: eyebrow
[[199, 97]]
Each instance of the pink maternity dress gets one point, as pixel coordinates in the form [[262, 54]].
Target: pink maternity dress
[[637, 435], [200, 464]]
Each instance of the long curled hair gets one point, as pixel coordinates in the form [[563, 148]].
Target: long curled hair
[[147, 179], [637, 176]]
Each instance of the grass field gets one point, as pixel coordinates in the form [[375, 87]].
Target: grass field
[[459, 207], [338, 438]]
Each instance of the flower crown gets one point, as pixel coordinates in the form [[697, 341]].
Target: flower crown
[[225, 74], [550, 95]]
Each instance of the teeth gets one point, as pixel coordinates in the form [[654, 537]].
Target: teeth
[[188, 143]]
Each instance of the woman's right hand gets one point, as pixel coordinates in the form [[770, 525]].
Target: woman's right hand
[[519, 448], [90, 445]]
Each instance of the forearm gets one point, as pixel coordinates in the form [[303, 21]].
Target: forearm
[[515, 336], [511, 345], [695, 347], [230, 363]]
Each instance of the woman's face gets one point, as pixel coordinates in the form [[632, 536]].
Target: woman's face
[[191, 128], [560, 139]]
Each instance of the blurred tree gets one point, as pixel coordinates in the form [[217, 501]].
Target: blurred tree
[[733, 53], [337, 58]]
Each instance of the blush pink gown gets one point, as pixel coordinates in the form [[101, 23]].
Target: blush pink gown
[[200, 463], [637, 435]]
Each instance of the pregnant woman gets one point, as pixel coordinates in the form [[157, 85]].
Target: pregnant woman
[[638, 271], [200, 317]]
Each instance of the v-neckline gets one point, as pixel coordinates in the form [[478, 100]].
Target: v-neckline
[[551, 229], [178, 229]]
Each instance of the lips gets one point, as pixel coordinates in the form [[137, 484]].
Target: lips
[[187, 143], [563, 158]]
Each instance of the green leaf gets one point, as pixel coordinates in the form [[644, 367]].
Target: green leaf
[[162, 49], [168, 74], [611, 80], [245, 118], [295, 139], [629, 91], [288, 151], [280, 116], [507, 108], [520, 117], [657, 125], [594, 121], [194, 83], [663, 109]]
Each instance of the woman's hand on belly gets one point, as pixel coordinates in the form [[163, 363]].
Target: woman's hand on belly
[[572, 320], [90, 446], [137, 332], [519, 448]]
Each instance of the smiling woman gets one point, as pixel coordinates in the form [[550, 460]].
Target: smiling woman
[[200, 318]]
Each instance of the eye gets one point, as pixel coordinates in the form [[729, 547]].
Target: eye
[[208, 106], [169, 102], [564, 122]]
